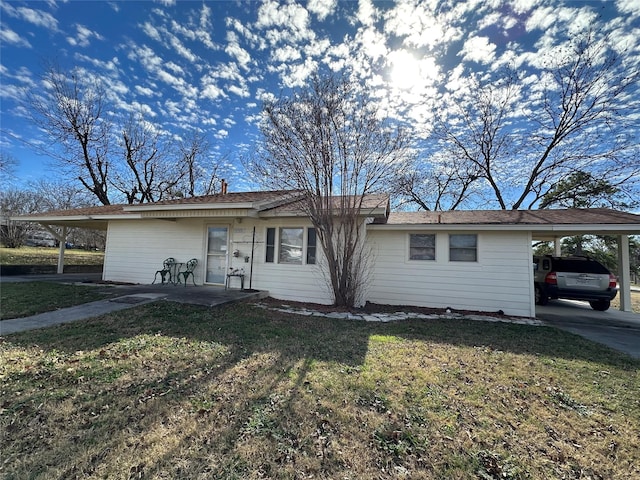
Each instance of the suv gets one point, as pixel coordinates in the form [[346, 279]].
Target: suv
[[575, 278]]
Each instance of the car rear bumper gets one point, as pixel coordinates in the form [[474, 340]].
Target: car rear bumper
[[554, 292]]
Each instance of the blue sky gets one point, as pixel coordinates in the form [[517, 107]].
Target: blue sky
[[209, 65]]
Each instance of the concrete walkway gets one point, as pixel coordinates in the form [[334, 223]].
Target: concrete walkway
[[127, 296]]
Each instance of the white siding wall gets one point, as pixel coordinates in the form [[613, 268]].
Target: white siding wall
[[501, 279], [303, 283], [135, 250]]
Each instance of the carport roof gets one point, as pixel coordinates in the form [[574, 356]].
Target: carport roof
[[554, 222]]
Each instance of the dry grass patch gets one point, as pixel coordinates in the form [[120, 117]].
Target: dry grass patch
[[172, 391], [48, 256], [635, 301]]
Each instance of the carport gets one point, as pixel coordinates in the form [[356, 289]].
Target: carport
[[556, 224]]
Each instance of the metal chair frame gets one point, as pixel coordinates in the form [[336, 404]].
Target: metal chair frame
[[191, 266], [167, 266]]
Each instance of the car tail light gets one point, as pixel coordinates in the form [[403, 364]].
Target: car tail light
[[612, 281], [551, 278]]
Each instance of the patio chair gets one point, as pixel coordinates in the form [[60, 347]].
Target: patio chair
[[191, 266], [167, 267]]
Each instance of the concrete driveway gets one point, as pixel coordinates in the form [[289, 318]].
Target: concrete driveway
[[616, 329]]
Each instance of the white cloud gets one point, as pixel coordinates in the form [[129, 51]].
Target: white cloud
[[145, 91], [629, 6], [151, 31], [234, 50], [478, 49], [541, 19], [212, 91], [373, 43], [291, 20], [83, 36], [108, 65], [38, 17], [298, 74], [221, 134], [322, 8], [9, 36], [416, 23], [181, 49], [287, 53], [367, 12], [241, 91]]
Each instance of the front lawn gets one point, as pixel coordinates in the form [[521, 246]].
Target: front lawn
[[48, 256], [30, 298], [173, 391]]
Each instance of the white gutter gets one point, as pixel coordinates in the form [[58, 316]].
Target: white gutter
[[568, 229]]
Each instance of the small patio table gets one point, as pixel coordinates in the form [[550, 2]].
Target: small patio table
[[175, 272], [240, 275]]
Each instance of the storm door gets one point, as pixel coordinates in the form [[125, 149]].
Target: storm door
[[217, 240]]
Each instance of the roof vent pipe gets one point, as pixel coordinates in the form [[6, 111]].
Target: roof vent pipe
[[223, 187]]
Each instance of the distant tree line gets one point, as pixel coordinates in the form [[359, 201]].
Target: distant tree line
[[39, 197]]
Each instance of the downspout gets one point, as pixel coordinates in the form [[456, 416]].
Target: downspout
[[253, 243]]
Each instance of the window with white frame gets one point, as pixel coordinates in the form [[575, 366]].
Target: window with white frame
[[422, 246], [463, 247], [288, 246]]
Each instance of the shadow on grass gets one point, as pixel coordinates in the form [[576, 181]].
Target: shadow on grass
[[218, 379]]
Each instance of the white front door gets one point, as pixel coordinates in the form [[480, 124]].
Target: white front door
[[217, 241]]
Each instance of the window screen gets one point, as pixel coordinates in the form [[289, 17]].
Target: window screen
[[422, 246], [463, 248]]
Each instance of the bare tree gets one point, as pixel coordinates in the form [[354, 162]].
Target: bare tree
[[147, 173], [101, 151], [328, 142], [201, 174], [14, 201], [72, 111], [514, 144], [8, 164]]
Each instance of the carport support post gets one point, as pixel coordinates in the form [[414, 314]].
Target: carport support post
[[63, 244], [624, 273], [62, 239], [557, 246]]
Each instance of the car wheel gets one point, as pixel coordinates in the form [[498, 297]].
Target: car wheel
[[600, 305], [541, 295]]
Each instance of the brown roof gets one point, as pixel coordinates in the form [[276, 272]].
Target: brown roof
[[236, 197], [516, 217], [84, 211], [239, 197], [369, 202]]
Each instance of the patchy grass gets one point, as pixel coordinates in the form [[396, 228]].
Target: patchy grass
[[174, 391], [29, 298], [48, 256], [635, 301]]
